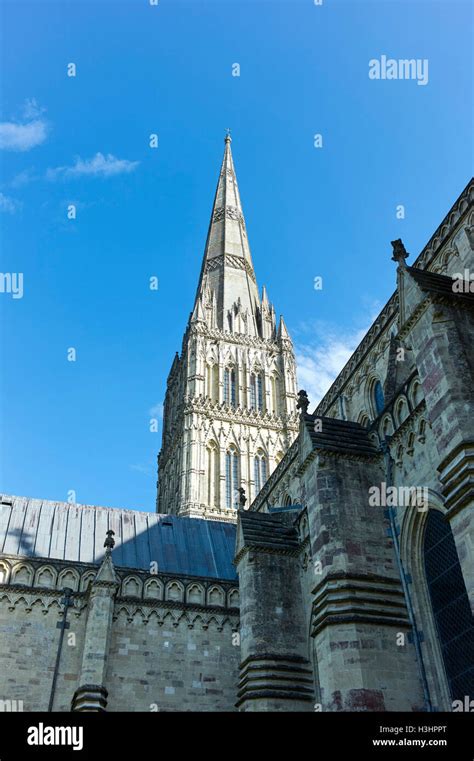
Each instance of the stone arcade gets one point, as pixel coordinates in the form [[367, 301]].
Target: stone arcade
[[312, 599]]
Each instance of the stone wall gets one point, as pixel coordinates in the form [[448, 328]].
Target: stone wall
[[173, 642]]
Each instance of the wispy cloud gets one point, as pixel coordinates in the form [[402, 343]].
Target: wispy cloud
[[321, 353], [9, 205], [23, 178], [27, 133], [31, 109], [98, 166]]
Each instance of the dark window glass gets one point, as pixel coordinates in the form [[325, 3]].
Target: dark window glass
[[379, 397], [450, 605]]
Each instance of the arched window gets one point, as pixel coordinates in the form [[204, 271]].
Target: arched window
[[229, 386], [378, 397], [212, 475], [260, 471], [232, 478], [450, 605], [256, 391]]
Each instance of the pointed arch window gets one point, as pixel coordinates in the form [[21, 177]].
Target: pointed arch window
[[378, 397], [229, 386], [232, 478], [450, 604], [260, 471], [256, 391]]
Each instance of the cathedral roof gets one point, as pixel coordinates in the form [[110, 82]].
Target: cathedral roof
[[268, 531], [441, 285], [341, 436], [75, 533]]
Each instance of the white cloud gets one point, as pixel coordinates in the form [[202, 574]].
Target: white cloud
[[8, 204], [320, 358], [24, 135], [98, 166]]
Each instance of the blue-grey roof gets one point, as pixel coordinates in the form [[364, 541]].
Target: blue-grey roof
[[63, 531]]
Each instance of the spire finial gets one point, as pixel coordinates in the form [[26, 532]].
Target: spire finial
[[109, 543], [228, 138]]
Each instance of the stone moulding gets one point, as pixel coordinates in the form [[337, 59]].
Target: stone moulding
[[124, 574], [358, 598], [90, 697], [236, 262], [456, 474], [269, 676]]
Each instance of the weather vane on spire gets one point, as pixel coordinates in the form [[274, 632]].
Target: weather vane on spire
[[227, 135]]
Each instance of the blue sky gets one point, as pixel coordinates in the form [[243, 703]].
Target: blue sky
[[83, 426]]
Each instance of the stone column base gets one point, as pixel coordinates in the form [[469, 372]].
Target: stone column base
[[270, 682]]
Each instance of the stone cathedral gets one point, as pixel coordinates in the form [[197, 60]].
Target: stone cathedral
[[297, 561]]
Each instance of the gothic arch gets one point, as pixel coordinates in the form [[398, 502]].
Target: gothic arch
[[153, 589], [415, 393], [132, 587], [87, 580], [4, 572], [215, 596], [174, 591], [386, 427], [412, 537], [422, 431], [374, 396], [22, 573], [195, 594], [69, 578], [402, 411]]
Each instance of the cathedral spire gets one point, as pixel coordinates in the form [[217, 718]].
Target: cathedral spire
[[227, 273], [229, 410]]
